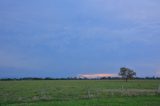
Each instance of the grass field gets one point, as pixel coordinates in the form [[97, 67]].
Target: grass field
[[80, 93]]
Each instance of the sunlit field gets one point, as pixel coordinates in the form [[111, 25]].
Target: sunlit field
[[80, 93]]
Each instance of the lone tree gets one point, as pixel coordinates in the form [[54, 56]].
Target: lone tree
[[127, 73]]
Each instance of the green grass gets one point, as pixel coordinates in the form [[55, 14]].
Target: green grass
[[123, 101], [80, 93]]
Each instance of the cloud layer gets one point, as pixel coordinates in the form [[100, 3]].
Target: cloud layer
[[67, 38]]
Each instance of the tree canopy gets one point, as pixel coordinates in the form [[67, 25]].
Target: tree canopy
[[127, 73]]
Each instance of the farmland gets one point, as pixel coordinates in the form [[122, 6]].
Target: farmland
[[80, 93]]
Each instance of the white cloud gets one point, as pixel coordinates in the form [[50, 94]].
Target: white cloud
[[96, 75]]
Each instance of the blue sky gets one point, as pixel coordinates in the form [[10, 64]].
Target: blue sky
[[61, 38]]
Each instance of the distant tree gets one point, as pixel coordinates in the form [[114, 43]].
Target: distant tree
[[127, 73]]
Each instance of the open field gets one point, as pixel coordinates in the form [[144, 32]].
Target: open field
[[80, 93]]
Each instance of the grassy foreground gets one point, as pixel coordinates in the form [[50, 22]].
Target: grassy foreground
[[80, 93]]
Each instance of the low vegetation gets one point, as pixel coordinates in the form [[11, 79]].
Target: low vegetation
[[80, 92]]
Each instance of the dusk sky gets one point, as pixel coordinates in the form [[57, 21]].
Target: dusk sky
[[64, 38]]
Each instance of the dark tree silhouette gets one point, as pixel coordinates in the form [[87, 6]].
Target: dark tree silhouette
[[127, 73]]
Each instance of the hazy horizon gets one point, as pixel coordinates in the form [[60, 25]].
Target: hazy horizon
[[65, 38]]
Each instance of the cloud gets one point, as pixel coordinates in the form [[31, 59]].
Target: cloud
[[96, 75], [157, 73], [44, 34], [138, 11]]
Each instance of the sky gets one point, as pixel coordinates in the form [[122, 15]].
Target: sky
[[65, 38]]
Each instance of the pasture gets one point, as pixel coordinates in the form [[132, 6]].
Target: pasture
[[80, 93]]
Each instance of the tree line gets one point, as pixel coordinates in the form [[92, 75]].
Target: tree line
[[124, 72], [77, 78]]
